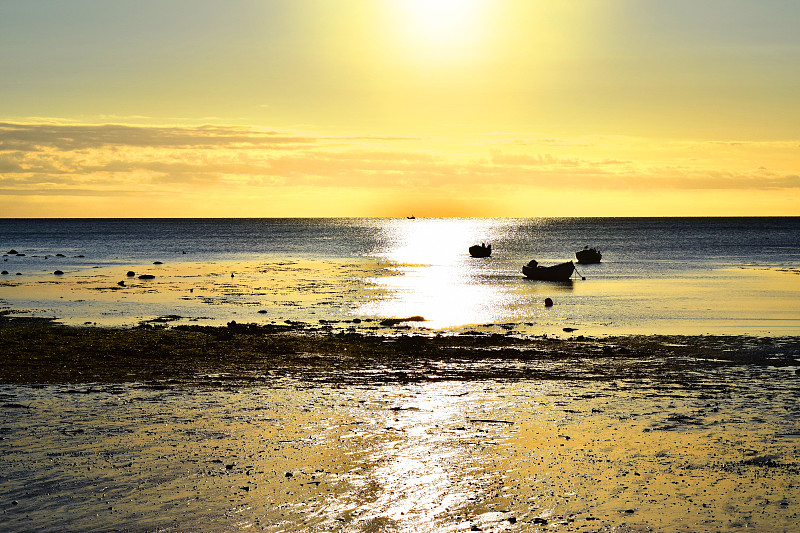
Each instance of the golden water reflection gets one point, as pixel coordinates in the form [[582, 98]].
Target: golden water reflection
[[437, 279]]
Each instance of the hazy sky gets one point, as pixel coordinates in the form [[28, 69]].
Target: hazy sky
[[393, 107]]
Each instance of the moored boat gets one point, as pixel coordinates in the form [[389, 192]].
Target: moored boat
[[480, 250], [560, 272], [588, 255]]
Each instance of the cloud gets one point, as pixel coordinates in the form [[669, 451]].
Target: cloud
[[66, 160], [35, 137]]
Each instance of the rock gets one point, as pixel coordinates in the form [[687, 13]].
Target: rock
[[4, 272], [548, 302], [540, 521], [147, 276], [262, 311], [396, 321], [20, 255], [130, 273], [288, 474], [12, 252], [356, 321], [121, 283], [157, 263], [58, 273], [570, 330], [60, 255], [512, 520]]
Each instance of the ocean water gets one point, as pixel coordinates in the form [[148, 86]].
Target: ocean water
[[658, 275]]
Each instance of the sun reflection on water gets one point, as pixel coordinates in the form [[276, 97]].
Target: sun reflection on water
[[436, 277], [419, 477]]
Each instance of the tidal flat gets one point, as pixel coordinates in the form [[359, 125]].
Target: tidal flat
[[278, 428]]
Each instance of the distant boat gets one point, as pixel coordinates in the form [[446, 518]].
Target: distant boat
[[412, 217], [480, 250], [588, 255], [560, 272]]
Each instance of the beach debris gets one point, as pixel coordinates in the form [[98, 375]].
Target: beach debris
[[231, 274], [540, 521], [395, 321], [491, 421], [548, 302], [130, 273], [58, 273], [262, 311], [147, 276]]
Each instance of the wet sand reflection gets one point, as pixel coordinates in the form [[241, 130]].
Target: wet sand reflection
[[633, 454]]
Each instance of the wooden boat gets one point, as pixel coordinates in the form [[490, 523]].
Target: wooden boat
[[588, 255], [480, 250], [560, 272]]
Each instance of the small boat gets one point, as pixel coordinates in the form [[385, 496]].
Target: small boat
[[588, 255], [560, 272], [480, 250]]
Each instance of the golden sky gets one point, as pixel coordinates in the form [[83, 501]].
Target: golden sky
[[280, 108]]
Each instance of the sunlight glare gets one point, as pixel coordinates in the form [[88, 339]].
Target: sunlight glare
[[440, 27]]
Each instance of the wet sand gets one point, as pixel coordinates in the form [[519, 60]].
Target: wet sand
[[285, 428], [356, 294]]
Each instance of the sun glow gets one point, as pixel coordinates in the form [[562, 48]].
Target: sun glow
[[440, 27]]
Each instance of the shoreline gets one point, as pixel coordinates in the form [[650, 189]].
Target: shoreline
[[40, 351]]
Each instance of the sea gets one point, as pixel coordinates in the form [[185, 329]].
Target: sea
[[692, 276]]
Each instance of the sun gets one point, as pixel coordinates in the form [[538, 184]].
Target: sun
[[440, 26]]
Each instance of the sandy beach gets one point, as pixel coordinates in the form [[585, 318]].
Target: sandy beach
[[243, 428]]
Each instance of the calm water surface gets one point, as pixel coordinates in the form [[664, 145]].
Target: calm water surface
[[658, 275]]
